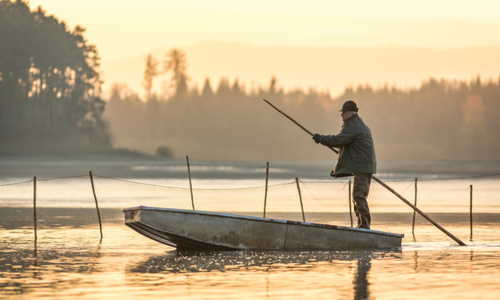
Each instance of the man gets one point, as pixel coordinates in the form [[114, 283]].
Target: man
[[356, 157]]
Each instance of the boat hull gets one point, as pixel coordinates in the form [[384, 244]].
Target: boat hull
[[199, 230]]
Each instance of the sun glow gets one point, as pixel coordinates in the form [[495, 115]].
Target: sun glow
[[125, 28]]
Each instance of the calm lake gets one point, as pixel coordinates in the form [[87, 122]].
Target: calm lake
[[69, 260]]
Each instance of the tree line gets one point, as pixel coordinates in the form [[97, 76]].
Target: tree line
[[441, 119], [49, 83]]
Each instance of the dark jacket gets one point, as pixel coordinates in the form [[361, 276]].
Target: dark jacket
[[356, 150]]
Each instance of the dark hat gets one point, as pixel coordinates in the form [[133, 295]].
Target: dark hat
[[349, 106]]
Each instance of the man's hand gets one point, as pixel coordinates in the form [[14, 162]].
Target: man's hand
[[317, 138]]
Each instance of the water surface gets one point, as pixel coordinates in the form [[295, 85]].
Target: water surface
[[69, 260]]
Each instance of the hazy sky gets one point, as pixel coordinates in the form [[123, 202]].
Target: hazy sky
[[127, 28]]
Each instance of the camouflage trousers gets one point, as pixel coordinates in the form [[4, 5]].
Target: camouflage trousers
[[361, 188]]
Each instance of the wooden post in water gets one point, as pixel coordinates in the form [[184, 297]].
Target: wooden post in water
[[34, 207], [265, 193], [96, 204], [414, 212], [190, 185], [471, 212], [350, 203], [300, 198]]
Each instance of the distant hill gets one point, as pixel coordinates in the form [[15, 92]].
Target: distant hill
[[328, 68]]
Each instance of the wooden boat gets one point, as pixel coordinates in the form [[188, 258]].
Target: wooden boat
[[201, 230]]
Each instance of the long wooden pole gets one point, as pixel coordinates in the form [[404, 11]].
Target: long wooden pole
[[381, 182], [420, 212], [190, 185], [96, 204]]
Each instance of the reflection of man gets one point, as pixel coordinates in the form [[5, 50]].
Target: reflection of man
[[356, 157], [360, 281]]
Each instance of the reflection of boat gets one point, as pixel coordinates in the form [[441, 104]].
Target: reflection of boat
[[226, 261], [266, 262], [200, 230]]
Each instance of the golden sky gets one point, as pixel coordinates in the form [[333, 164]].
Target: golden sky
[[126, 31], [127, 28]]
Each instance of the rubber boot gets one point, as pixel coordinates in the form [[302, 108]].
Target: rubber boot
[[364, 222]]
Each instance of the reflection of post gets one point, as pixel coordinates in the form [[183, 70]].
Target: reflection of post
[[416, 260], [360, 280], [267, 283]]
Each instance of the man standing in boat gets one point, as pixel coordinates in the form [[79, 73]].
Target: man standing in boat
[[356, 158]]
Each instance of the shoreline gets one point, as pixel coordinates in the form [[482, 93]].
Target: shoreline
[[137, 167]]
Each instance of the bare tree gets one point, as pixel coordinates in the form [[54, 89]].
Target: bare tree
[[150, 72]]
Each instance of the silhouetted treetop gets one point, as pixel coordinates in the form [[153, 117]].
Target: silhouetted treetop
[[49, 80]]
